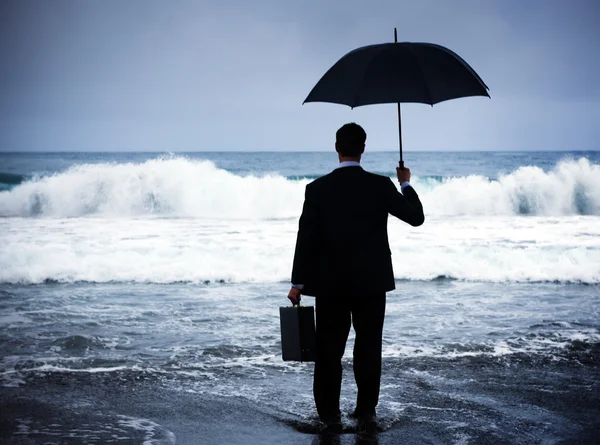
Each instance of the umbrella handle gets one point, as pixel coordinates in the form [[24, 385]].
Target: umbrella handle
[[401, 165]]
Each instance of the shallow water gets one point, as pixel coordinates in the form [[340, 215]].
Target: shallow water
[[224, 339]]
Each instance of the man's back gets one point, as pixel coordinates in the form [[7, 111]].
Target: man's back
[[342, 244]]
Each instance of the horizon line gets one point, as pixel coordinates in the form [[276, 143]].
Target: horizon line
[[297, 151]]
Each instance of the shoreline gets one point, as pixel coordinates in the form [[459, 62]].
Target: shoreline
[[503, 401]]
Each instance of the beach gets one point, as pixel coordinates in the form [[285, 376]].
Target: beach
[[454, 401]]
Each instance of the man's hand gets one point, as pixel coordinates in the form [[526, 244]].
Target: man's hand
[[403, 174], [294, 295]]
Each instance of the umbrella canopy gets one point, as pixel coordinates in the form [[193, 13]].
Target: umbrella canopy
[[398, 72]]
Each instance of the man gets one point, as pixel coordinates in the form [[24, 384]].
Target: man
[[343, 259]]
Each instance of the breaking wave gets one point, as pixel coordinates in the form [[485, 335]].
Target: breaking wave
[[571, 188], [180, 187], [175, 187]]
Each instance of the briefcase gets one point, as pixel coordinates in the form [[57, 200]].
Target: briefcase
[[298, 339]]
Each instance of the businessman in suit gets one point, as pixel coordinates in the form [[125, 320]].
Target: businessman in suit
[[343, 259]]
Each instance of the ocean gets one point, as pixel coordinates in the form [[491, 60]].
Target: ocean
[[162, 273]]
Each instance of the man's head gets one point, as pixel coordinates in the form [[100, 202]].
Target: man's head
[[350, 140]]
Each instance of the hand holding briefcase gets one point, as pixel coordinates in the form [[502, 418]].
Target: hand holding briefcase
[[298, 337]]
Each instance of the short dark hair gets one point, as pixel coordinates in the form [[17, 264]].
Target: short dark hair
[[350, 140]]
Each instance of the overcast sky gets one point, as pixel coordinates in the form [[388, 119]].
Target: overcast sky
[[172, 75]]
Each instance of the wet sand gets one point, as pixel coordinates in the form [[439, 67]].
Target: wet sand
[[516, 399]]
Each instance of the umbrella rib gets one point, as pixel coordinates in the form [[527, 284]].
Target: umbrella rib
[[463, 62], [418, 62]]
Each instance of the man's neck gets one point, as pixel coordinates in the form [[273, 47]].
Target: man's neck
[[348, 158]]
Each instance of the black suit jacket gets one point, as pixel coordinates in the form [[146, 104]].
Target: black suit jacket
[[342, 247]]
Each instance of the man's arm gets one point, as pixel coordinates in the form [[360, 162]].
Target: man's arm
[[406, 205], [305, 245]]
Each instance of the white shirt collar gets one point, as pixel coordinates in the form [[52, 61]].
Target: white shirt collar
[[348, 164]]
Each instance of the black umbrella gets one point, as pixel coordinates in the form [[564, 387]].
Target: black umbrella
[[398, 72]]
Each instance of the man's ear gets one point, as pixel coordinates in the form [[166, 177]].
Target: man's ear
[[336, 148], [363, 149]]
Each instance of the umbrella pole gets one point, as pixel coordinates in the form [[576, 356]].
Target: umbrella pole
[[401, 164]]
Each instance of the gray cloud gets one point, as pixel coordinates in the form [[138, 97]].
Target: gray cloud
[[231, 75]]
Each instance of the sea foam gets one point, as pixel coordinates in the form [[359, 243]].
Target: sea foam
[[175, 187], [179, 220], [180, 187], [571, 188], [167, 250]]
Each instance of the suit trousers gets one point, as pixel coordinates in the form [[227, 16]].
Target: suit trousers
[[334, 318]]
